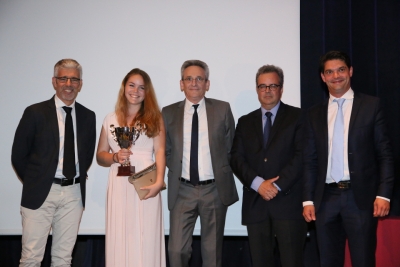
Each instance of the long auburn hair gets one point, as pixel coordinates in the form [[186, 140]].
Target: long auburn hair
[[149, 113]]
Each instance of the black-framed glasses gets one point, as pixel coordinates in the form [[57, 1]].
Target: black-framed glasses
[[272, 87], [74, 81], [191, 79]]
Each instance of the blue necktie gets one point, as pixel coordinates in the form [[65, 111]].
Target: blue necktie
[[194, 148], [69, 169], [267, 127], [337, 160]]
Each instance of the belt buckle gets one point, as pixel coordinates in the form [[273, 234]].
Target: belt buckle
[[343, 185], [67, 182], [63, 181]]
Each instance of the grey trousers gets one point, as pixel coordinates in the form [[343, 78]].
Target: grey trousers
[[197, 201]]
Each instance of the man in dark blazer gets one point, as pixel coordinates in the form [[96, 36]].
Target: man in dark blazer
[[53, 195], [348, 167], [267, 159], [199, 133]]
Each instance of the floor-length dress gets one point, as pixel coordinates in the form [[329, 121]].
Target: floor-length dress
[[134, 227]]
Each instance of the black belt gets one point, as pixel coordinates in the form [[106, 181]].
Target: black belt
[[65, 181], [186, 181], [341, 185]]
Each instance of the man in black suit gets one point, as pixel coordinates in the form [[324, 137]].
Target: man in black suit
[[52, 151], [348, 167], [267, 159]]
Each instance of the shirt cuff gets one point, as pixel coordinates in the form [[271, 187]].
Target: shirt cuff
[[383, 198], [308, 203], [277, 187], [256, 183]]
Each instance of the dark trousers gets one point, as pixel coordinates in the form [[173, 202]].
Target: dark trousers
[[339, 218], [290, 236]]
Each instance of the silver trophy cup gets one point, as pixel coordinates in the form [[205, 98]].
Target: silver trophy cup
[[126, 137]]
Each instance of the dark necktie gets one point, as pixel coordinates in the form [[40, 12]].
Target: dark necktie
[[69, 169], [194, 148], [267, 127]]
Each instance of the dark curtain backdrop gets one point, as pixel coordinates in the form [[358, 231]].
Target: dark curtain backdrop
[[369, 31]]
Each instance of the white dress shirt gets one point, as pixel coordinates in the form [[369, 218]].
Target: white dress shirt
[[332, 112], [205, 165], [61, 114]]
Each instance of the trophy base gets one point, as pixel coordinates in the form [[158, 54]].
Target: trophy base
[[126, 170]]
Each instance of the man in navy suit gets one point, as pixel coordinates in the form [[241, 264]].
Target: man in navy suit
[[267, 159], [348, 167], [52, 151]]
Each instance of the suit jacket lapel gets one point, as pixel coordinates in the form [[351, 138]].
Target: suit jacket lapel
[[280, 118], [354, 110], [257, 123], [79, 128], [323, 119], [54, 122], [210, 119], [178, 134]]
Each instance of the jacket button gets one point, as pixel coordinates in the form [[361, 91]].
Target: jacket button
[[265, 160]]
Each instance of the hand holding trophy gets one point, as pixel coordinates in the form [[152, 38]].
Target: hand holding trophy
[[126, 137]]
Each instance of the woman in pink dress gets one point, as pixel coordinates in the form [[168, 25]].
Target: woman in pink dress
[[134, 227]]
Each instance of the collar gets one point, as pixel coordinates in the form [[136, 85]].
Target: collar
[[60, 104], [348, 95], [273, 110], [188, 104]]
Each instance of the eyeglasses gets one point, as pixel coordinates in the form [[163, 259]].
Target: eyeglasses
[[271, 87], [74, 81], [197, 79]]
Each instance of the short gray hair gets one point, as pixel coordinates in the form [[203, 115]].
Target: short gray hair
[[67, 63], [195, 62], [268, 69]]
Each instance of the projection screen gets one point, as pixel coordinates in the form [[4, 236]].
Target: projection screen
[[109, 38]]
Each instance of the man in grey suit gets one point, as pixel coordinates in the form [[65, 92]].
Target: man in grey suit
[[199, 134]]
